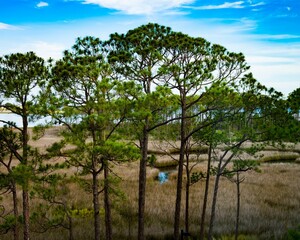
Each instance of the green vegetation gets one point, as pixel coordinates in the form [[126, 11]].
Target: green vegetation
[[289, 157], [122, 109], [166, 164], [293, 234]]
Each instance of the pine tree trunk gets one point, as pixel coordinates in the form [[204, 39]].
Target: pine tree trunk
[[16, 211], [26, 214], [205, 194], [213, 207], [107, 205], [187, 197], [237, 205], [178, 199], [142, 182], [71, 233], [25, 192], [180, 173], [96, 206]]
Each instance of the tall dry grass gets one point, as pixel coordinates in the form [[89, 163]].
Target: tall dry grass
[[270, 205]]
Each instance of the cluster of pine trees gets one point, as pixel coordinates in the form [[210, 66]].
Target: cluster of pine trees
[[150, 82]]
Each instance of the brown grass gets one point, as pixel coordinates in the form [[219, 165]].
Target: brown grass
[[270, 204]]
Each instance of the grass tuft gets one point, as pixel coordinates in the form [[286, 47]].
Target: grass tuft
[[166, 164], [280, 157]]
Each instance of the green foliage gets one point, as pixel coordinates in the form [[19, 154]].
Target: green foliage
[[294, 101], [22, 174], [152, 160], [293, 234], [240, 165], [10, 144], [243, 165], [119, 151], [166, 164], [56, 148], [81, 213], [104, 93], [291, 157], [5, 180], [19, 75], [7, 223], [197, 176], [240, 237], [38, 132], [45, 217]]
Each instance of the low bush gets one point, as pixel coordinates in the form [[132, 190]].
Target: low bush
[[291, 157], [240, 237], [166, 164], [293, 234]]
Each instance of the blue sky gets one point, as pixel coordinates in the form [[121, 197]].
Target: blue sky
[[266, 31]]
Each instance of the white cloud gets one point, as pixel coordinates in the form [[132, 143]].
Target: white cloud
[[278, 36], [274, 64], [226, 5], [139, 6], [42, 49], [4, 26], [238, 4], [175, 13], [283, 76], [42, 4], [258, 4]]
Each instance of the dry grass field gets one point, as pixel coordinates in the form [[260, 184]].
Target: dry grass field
[[270, 204]]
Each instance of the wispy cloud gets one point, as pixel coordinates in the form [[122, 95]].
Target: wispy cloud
[[4, 26], [42, 4], [278, 36], [142, 7], [42, 48], [176, 13], [238, 4], [230, 5], [258, 4]]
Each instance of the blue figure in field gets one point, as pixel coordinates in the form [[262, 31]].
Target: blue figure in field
[[163, 177]]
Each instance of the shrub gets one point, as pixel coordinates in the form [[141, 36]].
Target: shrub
[[291, 157], [166, 164], [293, 234]]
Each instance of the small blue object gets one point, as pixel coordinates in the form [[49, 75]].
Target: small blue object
[[163, 177]]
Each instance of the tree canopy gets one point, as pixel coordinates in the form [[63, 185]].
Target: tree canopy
[[112, 98]]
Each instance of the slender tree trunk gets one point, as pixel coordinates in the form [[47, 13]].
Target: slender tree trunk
[[213, 207], [142, 182], [71, 233], [205, 198], [178, 198], [16, 211], [108, 225], [238, 193], [96, 206], [180, 173], [25, 192], [26, 214], [187, 196]]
